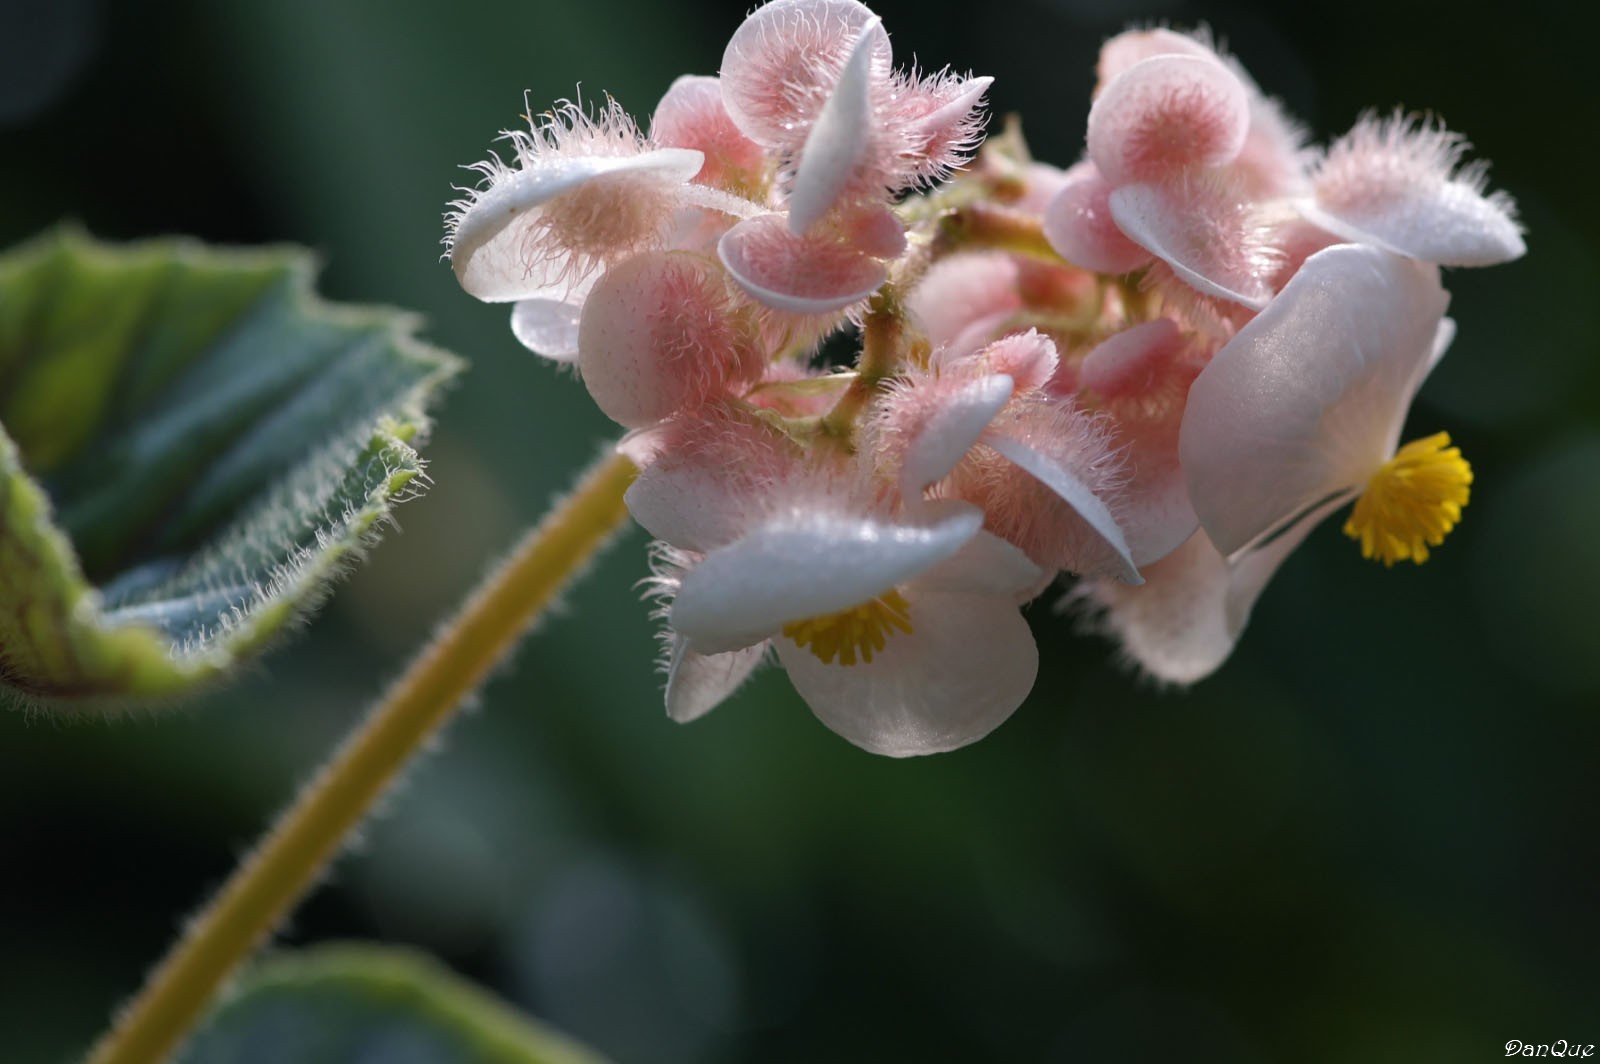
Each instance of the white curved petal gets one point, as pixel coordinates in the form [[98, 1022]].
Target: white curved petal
[[1454, 226], [698, 683], [548, 327], [1185, 236], [950, 433], [1066, 484], [794, 274], [1307, 400], [807, 565], [966, 665], [488, 237], [840, 139], [1182, 624]]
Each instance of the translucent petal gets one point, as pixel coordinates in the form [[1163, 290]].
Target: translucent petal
[[1307, 400], [966, 665], [698, 683], [1185, 619], [489, 239], [548, 327]]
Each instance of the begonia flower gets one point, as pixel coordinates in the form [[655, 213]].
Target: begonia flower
[[902, 636], [1294, 418]]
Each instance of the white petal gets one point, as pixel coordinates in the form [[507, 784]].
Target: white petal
[[698, 683], [1076, 494], [1185, 236], [1397, 183], [1184, 621], [839, 140], [949, 434], [807, 565], [548, 327], [488, 237], [966, 665], [985, 565], [1307, 400]]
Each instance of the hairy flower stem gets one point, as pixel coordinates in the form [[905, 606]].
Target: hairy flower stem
[[312, 831], [884, 345]]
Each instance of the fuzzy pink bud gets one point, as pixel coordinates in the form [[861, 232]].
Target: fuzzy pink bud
[[660, 333]]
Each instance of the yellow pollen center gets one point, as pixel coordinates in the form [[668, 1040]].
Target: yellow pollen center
[[853, 634], [1412, 501]]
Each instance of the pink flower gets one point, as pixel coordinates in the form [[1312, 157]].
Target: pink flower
[[898, 626], [1153, 372]]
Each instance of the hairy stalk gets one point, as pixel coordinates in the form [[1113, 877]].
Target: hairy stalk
[[312, 831], [884, 345]]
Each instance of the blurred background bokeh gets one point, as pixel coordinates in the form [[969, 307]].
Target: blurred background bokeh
[[1373, 836]]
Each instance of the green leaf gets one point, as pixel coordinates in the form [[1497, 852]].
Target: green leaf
[[337, 1004], [192, 445]]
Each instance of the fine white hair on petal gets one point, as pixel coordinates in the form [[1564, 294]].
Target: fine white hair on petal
[[961, 289], [938, 118], [963, 669], [1399, 183], [1165, 114], [1067, 485], [781, 64], [611, 193], [1307, 401], [1205, 232]]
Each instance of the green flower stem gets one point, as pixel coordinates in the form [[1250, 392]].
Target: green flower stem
[[310, 834]]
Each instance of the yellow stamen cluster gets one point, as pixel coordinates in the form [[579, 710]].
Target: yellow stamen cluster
[[853, 634], [1412, 501]]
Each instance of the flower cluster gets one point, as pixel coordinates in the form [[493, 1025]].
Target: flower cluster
[[1153, 372]]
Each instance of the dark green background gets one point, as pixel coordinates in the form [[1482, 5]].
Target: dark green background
[[1371, 837]]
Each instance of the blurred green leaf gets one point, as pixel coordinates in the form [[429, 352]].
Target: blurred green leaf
[[344, 1003], [192, 445]]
